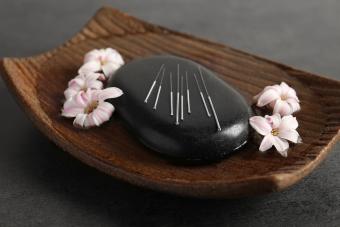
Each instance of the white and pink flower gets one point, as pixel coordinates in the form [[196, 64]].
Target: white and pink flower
[[281, 98], [83, 82], [277, 131], [89, 107], [106, 60]]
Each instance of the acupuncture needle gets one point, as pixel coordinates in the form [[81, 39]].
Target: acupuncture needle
[[159, 90], [177, 103], [210, 101], [171, 97], [202, 97], [188, 93], [153, 84], [182, 115]]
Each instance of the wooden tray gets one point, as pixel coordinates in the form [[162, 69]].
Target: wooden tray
[[38, 83]]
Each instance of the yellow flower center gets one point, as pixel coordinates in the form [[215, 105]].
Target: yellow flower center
[[275, 132], [284, 97], [91, 107], [102, 60]]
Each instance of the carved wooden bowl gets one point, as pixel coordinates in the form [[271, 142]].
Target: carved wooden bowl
[[38, 83]]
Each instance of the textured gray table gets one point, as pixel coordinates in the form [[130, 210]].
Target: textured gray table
[[42, 186]]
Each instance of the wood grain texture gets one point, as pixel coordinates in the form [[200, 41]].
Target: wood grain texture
[[38, 83]]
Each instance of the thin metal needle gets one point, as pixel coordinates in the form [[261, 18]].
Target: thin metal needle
[[202, 97], [171, 97], [153, 84], [177, 104], [159, 90], [188, 92], [182, 109], [210, 101]]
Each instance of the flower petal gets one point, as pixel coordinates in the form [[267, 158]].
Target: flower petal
[[106, 107], [288, 123], [288, 91], [284, 153], [114, 56], [80, 120], [82, 98], [91, 66], [71, 103], [78, 82], [92, 76], [71, 112], [72, 106], [103, 112], [266, 143], [282, 108], [274, 120], [110, 68], [281, 145], [109, 93], [285, 88], [277, 88], [92, 120], [291, 135], [93, 55], [292, 94], [267, 97], [95, 84], [70, 92], [110, 50], [260, 124], [294, 104], [89, 122]]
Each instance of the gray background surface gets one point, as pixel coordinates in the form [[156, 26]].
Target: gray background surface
[[42, 186]]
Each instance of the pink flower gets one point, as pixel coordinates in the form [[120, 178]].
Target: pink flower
[[281, 98], [83, 82], [277, 131], [89, 108], [107, 60]]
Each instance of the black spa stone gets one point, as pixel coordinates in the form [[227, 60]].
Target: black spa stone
[[197, 136]]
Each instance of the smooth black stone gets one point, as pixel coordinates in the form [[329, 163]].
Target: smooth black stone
[[195, 138]]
